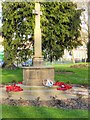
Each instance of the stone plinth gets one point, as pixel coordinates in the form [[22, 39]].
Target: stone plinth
[[34, 76], [38, 62]]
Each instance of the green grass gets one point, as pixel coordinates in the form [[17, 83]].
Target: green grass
[[41, 112], [77, 75], [10, 75]]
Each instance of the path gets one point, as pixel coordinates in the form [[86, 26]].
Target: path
[[45, 93]]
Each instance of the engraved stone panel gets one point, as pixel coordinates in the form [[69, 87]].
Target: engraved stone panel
[[35, 76]]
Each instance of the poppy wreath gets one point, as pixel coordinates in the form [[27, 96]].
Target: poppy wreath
[[62, 86], [13, 88]]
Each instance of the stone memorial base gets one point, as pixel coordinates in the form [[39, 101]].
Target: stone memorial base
[[38, 61], [34, 76]]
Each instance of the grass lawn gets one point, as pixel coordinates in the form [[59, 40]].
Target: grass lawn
[[73, 75], [41, 112], [77, 76], [10, 75], [63, 72]]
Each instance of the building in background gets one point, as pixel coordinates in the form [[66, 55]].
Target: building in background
[[80, 53]]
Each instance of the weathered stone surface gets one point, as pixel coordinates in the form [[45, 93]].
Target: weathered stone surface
[[35, 75], [38, 58], [38, 61]]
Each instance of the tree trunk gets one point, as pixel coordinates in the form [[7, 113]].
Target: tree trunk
[[7, 63], [73, 59], [88, 51], [51, 59]]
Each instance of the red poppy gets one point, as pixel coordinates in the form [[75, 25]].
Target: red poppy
[[20, 83], [13, 88], [62, 86]]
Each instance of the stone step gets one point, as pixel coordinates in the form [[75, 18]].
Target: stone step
[[85, 93], [25, 87], [53, 88], [32, 92]]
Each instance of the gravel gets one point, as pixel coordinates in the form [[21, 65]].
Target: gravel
[[74, 103]]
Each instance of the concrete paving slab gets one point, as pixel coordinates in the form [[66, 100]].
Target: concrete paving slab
[[45, 93]]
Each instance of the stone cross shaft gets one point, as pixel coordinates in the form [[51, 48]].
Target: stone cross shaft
[[37, 37], [34, 75], [37, 32]]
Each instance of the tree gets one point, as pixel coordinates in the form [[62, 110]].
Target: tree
[[88, 45], [18, 24], [60, 25], [60, 28]]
